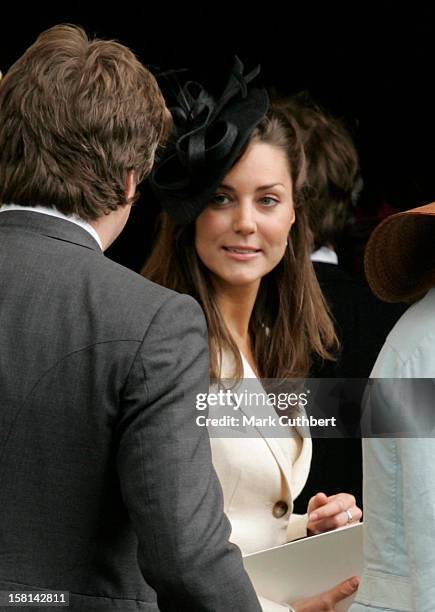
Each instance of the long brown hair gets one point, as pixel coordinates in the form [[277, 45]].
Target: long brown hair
[[290, 320]]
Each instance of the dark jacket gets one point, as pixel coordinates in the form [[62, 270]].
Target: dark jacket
[[362, 323], [106, 484]]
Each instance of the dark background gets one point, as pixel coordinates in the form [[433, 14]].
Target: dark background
[[371, 65]]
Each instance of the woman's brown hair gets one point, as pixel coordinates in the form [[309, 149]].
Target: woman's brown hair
[[290, 320]]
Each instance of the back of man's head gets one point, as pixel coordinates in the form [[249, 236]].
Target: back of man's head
[[76, 115]]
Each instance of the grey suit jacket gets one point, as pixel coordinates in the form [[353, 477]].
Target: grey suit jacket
[[106, 484]]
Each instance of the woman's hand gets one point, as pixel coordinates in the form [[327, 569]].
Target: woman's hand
[[325, 602], [327, 513]]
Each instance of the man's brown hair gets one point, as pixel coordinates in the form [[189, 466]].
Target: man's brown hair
[[333, 178], [76, 115]]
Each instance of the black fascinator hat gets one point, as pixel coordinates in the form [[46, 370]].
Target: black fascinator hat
[[207, 137]]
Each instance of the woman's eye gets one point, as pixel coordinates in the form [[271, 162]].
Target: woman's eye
[[219, 199], [268, 201]]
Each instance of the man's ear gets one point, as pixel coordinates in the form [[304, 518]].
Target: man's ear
[[130, 187]]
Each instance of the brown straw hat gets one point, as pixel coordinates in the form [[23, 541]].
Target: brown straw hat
[[400, 255]]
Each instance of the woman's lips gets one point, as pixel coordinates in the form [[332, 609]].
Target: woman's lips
[[241, 253]]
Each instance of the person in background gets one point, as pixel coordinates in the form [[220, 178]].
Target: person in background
[[234, 235], [362, 321], [399, 423], [107, 491]]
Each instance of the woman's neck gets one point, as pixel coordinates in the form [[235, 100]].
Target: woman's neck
[[236, 305]]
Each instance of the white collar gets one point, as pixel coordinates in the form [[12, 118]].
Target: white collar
[[248, 372], [53, 212], [325, 255]]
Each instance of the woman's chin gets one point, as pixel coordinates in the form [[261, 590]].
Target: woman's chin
[[242, 280]]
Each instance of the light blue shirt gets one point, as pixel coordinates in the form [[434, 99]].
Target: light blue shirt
[[399, 476]]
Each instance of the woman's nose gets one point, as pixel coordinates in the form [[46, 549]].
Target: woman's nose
[[244, 219]]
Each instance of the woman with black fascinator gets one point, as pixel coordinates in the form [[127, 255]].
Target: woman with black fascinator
[[234, 235]]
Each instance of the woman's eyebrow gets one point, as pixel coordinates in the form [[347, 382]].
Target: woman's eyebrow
[[227, 187], [261, 188]]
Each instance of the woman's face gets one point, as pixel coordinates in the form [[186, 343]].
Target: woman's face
[[242, 234]]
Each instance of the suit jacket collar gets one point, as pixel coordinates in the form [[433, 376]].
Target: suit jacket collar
[[45, 225], [277, 446]]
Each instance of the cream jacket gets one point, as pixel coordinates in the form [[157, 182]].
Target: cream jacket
[[260, 478]]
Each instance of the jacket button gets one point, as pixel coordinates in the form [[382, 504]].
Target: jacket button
[[279, 509]]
